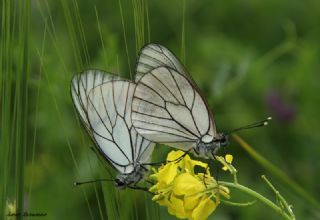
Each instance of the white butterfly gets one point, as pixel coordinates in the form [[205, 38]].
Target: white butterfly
[[167, 105], [103, 102]]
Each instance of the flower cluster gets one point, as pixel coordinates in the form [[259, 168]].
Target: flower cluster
[[186, 193]]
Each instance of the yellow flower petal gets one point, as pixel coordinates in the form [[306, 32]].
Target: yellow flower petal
[[153, 188], [161, 201], [174, 155], [189, 164], [186, 184], [166, 175], [229, 158], [190, 202], [225, 168], [204, 209], [158, 197], [176, 207]]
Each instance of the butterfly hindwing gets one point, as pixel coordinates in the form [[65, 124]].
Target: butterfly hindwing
[[81, 85], [104, 104]]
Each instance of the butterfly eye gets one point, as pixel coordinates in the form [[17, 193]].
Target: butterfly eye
[[119, 183], [224, 141]]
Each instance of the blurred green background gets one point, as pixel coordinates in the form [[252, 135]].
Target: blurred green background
[[251, 59]]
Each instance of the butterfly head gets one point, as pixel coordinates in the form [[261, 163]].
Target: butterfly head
[[221, 140], [120, 182], [126, 179], [208, 146]]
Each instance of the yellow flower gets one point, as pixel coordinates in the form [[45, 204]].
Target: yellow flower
[[228, 158], [185, 193], [11, 209], [11, 206]]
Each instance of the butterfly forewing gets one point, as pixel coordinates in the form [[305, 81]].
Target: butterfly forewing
[[153, 56], [166, 108]]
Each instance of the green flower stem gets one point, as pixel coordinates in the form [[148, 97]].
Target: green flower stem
[[235, 178], [276, 171], [280, 197], [258, 197], [238, 203]]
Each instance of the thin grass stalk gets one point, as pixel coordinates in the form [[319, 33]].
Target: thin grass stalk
[[139, 22], [183, 34], [2, 146], [83, 42], [21, 103], [33, 151], [148, 22], [111, 199], [125, 38], [47, 17], [101, 38], [72, 34], [5, 98]]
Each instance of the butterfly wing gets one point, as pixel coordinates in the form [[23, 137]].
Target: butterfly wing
[[81, 85], [106, 113], [166, 108], [153, 56]]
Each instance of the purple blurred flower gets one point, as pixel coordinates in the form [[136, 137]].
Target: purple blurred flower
[[280, 108]]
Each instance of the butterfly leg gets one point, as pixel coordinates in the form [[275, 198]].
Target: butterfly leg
[[169, 161], [179, 158], [204, 176], [217, 171], [146, 169], [136, 187]]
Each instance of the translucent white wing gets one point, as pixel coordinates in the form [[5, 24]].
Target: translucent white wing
[[81, 85], [153, 56], [167, 108], [106, 112]]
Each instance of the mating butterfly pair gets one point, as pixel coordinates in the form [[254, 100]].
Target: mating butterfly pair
[[125, 119]]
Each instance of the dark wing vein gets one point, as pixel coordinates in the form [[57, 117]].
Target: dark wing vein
[[110, 132], [167, 110], [165, 132], [165, 87]]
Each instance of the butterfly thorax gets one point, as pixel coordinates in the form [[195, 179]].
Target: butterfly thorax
[[208, 146], [123, 180]]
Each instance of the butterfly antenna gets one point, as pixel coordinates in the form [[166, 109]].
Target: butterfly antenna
[[92, 181], [253, 125]]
